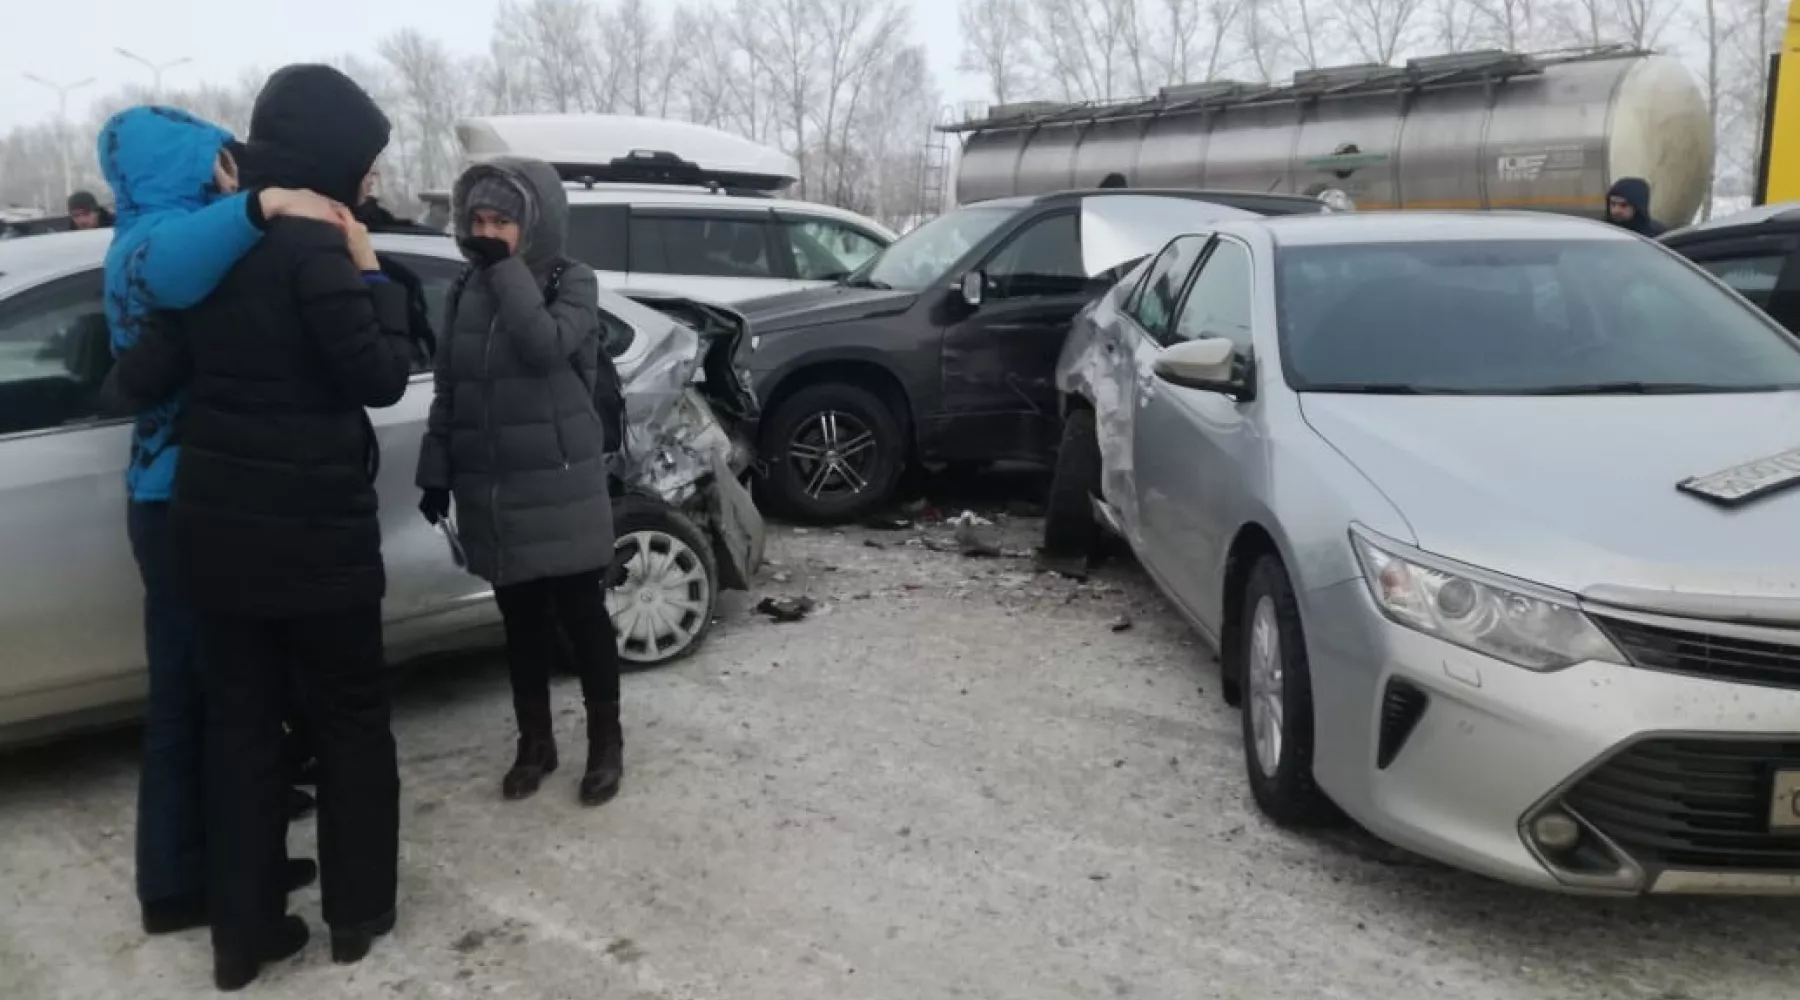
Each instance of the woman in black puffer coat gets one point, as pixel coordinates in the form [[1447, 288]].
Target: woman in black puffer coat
[[515, 438]]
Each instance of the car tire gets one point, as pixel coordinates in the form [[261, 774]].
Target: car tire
[[825, 418], [1277, 706], [663, 588], [1070, 530]]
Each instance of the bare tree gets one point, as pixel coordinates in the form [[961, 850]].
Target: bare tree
[[1451, 25], [1642, 23], [1088, 47], [1505, 24], [1188, 39], [1380, 29], [552, 40], [1748, 31], [997, 45], [431, 97]]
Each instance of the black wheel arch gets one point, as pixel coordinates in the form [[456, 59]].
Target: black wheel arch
[[1250, 544]]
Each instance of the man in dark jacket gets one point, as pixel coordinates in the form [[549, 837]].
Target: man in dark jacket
[[86, 212], [275, 514], [1628, 205]]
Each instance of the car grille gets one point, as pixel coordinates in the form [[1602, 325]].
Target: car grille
[[1747, 661], [1692, 803]]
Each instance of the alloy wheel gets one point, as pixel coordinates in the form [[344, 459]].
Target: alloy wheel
[[660, 608], [833, 455], [1266, 686]]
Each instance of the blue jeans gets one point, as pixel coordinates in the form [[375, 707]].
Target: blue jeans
[[171, 845]]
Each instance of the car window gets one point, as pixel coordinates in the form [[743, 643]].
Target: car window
[[1043, 259], [1753, 277], [596, 236], [1218, 301], [1518, 317], [54, 353], [825, 250], [714, 247], [923, 256], [1153, 305], [437, 276]]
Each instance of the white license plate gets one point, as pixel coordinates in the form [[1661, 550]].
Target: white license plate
[[1784, 810], [1744, 483]]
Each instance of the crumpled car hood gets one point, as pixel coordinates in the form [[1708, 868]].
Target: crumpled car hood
[[1121, 228], [820, 306]]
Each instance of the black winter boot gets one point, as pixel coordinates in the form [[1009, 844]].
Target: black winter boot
[[350, 945], [606, 754], [537, 751], [233, 971]]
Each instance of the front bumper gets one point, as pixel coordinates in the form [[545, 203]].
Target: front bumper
[[1454, 754]]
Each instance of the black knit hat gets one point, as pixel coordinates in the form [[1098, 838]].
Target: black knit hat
[[313, 127], [84, 201]]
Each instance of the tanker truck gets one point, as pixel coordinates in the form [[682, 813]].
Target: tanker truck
[[1474, 130]]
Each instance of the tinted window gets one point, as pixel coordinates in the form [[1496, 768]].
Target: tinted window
[[1154, 304], [715, 247], [1753, 277], [54, 353], [1563, 316], [1042, 259], [437, 277], [923, 257], [1218, 302], [596, 236], [825, 250]]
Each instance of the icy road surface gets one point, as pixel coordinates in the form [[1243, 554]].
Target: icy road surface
[[954, 779]]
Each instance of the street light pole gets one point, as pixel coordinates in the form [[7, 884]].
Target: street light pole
[[62, 121], [156, 69]]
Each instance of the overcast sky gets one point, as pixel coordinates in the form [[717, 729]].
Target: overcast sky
[[66, 41]]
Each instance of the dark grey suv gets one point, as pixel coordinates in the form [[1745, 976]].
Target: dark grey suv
[[942, 349]]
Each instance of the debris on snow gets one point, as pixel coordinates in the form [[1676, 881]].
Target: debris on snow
[[785, 609]]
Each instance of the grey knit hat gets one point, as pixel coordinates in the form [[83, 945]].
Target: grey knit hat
[[497, 193]]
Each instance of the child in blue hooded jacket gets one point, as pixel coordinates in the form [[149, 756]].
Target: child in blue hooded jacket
[[181, 226]]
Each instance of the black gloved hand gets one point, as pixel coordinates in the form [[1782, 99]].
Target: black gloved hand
[[485, 251], [434, 504]]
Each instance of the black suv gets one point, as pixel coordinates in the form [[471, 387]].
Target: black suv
[[1756, 252], [940, 350]]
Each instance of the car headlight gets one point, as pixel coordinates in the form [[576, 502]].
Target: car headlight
[[1524, 625]]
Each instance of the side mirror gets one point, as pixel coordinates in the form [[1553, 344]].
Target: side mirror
[[972, 288], [1209, 364]]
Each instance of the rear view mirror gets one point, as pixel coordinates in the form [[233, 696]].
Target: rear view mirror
[[972, 287], [1209, 364]]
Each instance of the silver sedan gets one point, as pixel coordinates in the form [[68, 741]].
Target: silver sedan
[[1490, 521], [70, 600]]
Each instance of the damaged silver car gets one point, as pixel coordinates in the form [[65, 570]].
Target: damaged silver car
[[71, 603]]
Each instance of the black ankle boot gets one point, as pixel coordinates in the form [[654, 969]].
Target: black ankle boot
[[351, 944], [606, 755], [232, 971], [536, 758]]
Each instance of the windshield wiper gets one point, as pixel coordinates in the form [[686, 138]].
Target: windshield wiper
[[1368, 388], [1633, 388], [868, 283]]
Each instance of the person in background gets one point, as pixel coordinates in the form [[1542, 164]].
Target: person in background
[[1114, 180], [515, 437], [1628, 205], [182, 225], [86, 212], [275, 515]]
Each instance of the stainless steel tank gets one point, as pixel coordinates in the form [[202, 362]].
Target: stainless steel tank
[[1482, 130]]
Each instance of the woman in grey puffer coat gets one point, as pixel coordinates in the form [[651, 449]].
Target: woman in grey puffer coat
[[515, 437]]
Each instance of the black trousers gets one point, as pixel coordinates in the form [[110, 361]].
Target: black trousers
[[339, 662], [534, 611]]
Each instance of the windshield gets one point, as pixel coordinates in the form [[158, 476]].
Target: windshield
[[1527, 317], [920, 259]]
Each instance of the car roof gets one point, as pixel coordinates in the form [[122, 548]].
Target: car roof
[[1780, 213], [29, 259], [1243, 199], [1340, 228], [692, 197]]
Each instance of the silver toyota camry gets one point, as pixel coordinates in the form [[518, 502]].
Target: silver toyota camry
[[1491, 520], [70, 601]]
